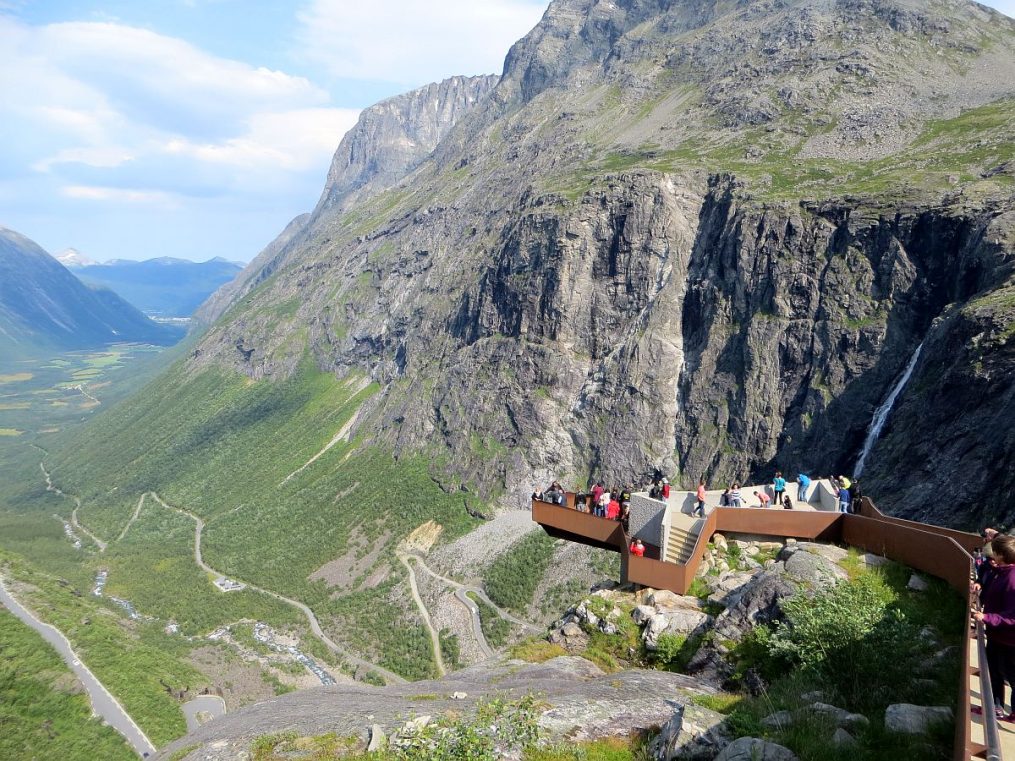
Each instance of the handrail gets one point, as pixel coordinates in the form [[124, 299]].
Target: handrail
[[871, 530], [991, 733]]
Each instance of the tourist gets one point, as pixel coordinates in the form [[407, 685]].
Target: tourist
[[855, 494], [580, 499], [613, 509], [803, 483], [625, 516], [763, 498], [724, 499], [787, 503], [779, 487], [625, 495], [604, 500], [699, 508], [735, 500], [637, 548], [998, 615], [597, 492], [843, 499], [666, 488]]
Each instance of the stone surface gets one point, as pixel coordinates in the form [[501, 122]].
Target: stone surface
[[581, 702], [378, 739], [753, 749], [917, 584], [909, 719], [814, 569], [843, 739], [691, 733]]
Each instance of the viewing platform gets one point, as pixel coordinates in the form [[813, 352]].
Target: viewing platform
[[676, 543]]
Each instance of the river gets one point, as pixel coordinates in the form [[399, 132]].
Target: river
[[103, 703]]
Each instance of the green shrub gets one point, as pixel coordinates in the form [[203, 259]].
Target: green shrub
[[512, 578]]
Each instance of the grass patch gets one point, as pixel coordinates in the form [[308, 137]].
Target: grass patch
[[536, 651], [495, 629], [43, 714]]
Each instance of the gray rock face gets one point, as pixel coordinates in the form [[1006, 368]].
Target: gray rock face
[[908, 719], [692, 733], [753, 749], [519, 289], [581, 703], [393, 137]]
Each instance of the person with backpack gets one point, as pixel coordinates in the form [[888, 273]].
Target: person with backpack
[[843, 499]]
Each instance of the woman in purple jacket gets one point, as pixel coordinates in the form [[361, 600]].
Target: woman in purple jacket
[[998, 615]]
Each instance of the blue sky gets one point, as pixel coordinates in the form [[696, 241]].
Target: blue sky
[[198, 128]]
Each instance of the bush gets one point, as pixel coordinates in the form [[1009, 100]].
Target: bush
[[512, 578]]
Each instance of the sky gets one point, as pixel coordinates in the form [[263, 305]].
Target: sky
[[131, 129]]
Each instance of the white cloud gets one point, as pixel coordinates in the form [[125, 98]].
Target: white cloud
[[413, 43], [120, 114], [119, 195], [293, 140]]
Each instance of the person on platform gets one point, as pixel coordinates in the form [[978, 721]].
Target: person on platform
[[843, 499], [998, 616], [778, 487], [613, 509], [803, 483], [735, 500], [699, 507], [787, 503], [637, 548], [763, 499]]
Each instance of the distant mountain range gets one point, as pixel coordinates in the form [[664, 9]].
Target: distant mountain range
[[44, 307], [166, 287]]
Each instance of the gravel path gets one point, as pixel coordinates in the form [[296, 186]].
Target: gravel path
[[466, 556]]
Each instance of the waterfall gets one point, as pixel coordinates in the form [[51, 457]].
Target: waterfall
[[882, 412]]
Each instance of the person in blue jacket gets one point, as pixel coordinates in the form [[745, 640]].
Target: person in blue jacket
[[803, 483]]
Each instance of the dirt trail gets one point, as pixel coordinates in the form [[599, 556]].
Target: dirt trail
[[315, 626], [74, 513], [137, 512]]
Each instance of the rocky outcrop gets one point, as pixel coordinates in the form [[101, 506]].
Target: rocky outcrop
[[577, 701], [393, 137]]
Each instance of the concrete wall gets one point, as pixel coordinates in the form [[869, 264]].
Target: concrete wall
[[647, 519]]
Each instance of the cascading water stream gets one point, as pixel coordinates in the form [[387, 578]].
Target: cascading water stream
[[882, 412]]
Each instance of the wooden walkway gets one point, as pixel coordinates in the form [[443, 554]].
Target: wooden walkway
[[1006, 729]]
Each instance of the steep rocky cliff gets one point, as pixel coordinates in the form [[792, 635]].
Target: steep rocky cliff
[[705, 237]]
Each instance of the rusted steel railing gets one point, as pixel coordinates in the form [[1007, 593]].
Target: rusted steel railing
[[934, 550]]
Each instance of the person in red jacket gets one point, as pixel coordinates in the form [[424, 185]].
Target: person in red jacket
[[613, 509], [637, 548], [998, 615], [666, 488]]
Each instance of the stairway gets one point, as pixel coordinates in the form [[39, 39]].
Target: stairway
[[679, 544]]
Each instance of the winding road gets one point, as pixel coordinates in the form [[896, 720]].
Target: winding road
[[434, 636], [462, 595], [74, 513], [103, 702], [315, 626]]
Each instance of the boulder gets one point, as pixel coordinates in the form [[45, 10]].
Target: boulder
[[681, 622], [813, 569], [828, 551], [838, 716], [378, 740], [873, 561], [843, 739], [719, 541], [909, 719], [753, 749], [777, 720], [814, 696], [917, 584], [662, 597], [693, 732], [642, 613]]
